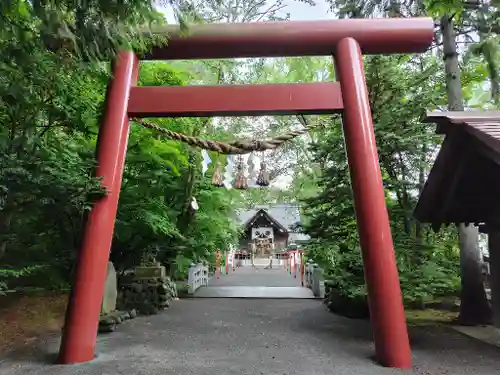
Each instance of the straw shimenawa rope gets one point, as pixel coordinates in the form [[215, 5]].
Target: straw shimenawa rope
[[234, 148]]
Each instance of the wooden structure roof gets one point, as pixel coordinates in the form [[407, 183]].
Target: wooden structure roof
[[285, 216], [464, 183], [264, 213]]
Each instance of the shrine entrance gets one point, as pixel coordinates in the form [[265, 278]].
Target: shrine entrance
[[346, 40]]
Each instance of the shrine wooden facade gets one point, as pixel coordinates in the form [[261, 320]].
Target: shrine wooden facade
[[272, 228]]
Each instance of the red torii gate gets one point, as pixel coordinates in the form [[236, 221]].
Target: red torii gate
[[346, 40]]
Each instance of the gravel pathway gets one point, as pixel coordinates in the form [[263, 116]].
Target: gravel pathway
[[257, 337]]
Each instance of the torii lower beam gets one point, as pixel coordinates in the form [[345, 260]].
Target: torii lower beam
[[346, 40], [235, 100]]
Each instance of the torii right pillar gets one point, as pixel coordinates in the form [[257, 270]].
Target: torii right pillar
[[384, 292]]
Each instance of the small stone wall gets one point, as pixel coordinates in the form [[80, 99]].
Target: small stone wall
[[109, 322], [146, 290]]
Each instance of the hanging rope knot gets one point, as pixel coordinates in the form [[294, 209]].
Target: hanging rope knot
[[235, 148], [258, 145]]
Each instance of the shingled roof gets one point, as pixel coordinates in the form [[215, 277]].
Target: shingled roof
[[464, 182], [287, 215]]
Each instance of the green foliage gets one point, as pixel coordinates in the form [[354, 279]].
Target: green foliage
[[401, 90], [91, 29], [52, 87], [50, 103]]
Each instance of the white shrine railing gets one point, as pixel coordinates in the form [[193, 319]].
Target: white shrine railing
[[313, 278], [197, 277]]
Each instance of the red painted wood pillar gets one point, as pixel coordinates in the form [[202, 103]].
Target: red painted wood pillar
[[217, 264], [384, 292], [302, 268], [82, 316], [295, 258]]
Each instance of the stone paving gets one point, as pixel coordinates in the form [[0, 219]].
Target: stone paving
[[254, 292], [258, 276], [205, 336], [258, 282]]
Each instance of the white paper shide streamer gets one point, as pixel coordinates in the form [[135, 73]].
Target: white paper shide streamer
[[228, 172], [205, 162], [252, 171]]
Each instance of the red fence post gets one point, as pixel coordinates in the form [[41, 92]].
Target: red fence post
[[82, 315], [295, 258], [302, 268], [217, 264], [384, 292]]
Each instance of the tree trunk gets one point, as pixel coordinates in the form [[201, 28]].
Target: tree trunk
[[5, 222], [474, 306], [494, 250], [421, 183]]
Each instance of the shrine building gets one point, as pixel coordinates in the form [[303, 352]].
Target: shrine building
[[270, 228]]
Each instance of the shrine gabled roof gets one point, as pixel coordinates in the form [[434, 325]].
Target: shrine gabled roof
[[287, 215], [463, 184], [263, 213]]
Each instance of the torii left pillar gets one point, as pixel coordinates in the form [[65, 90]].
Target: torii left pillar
[[82, 316]]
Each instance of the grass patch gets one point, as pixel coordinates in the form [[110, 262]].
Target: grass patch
[[23, 319], [429, 317]]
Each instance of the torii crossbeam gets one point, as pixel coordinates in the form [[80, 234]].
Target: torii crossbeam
[[345, 40]]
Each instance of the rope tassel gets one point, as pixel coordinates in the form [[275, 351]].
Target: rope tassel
[[217, 177], [240, 182], [263, 178]]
